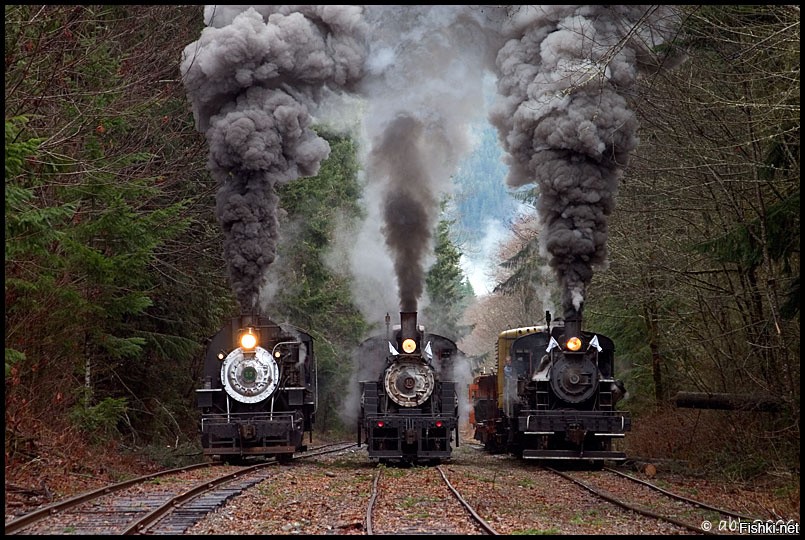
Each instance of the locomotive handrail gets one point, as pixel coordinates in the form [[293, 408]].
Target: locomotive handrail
[[274, 348]]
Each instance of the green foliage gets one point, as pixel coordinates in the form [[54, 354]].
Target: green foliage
[[448, 289], [526, 275], [99, 421], [481, 191], [28, 228], [17, 151], [112, 253], [12, 357], [744, 244], [312, 296], [118, 348]]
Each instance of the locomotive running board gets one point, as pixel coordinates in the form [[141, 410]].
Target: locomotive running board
[[573, 454]]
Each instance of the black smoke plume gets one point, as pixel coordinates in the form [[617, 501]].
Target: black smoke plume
[[255, 78], [409, 207], [565, 76], [424, 89]]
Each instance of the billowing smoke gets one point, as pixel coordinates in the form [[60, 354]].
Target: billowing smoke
[[409, 208], [564, 76], [258, 75], [255, 78], [424, 88]]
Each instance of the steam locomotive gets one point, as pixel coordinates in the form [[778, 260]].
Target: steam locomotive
[[258, 394], [552, 395], [409, 414]]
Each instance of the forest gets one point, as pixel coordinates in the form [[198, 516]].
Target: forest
[[115, 276]]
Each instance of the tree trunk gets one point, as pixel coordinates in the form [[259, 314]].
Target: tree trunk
[[732, 402]]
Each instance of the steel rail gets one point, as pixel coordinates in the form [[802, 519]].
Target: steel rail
[[37, 515], [628, 506], [683, 498]]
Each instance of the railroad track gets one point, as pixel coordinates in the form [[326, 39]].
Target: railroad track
[[167, 502], [415, 501], [653, 501]]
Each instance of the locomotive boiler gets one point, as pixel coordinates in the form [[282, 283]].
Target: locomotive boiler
[[552, 396], [409, 412], [258, 394]]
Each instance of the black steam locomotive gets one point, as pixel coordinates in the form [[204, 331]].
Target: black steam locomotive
[[258, 393], [552, 396], [409, 414]]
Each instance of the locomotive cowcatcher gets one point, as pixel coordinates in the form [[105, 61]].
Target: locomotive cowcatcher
[[410, 413], [258, 393], [552, 395]]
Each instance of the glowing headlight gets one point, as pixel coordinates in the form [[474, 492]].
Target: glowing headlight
[[409, 345], [248, 340], [573, 344]]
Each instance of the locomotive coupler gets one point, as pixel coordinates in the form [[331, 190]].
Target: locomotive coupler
[[575, 433], [247, 431]]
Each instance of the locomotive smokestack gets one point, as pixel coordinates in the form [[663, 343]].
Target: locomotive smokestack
[[572, 322], [407, 324]]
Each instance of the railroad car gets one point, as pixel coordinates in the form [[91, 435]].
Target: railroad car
[[259, 391], [552, 395], [409, 409]]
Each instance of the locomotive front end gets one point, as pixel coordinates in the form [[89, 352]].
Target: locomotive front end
[[568, 407], [258, 395], [409, 414]]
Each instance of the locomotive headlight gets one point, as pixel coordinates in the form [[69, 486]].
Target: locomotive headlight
[[248, 340], [409, 345], [573, 344]]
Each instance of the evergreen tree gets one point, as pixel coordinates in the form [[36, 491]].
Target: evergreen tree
[[311, 296], [112, 277], [448, 288]]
